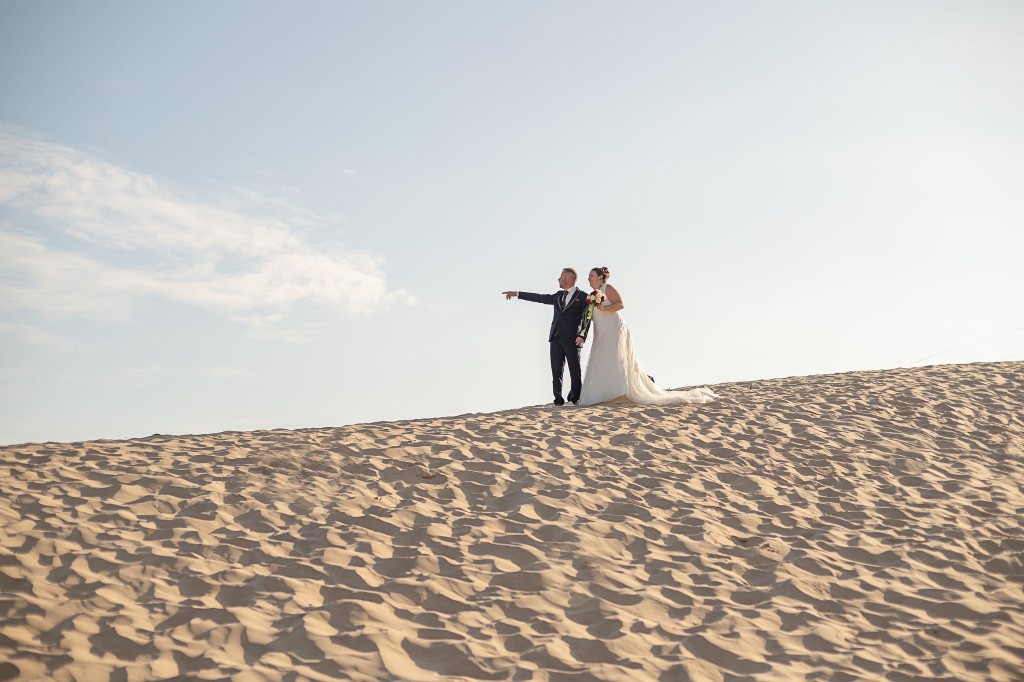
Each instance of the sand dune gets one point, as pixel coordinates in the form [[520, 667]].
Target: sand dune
[[861, 526]]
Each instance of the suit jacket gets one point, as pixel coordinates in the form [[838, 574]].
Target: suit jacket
[[566, 323]]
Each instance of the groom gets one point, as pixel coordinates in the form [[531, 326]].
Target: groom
[[567, 333]]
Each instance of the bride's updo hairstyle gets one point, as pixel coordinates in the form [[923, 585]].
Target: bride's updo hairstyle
[[603, 273]]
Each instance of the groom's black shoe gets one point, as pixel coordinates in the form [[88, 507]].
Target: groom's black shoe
[[559, 402]]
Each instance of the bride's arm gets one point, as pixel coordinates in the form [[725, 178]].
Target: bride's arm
[[614, 300]]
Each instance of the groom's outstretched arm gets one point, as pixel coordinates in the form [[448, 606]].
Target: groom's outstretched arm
[[546, 299]]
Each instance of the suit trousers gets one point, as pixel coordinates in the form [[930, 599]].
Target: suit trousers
[[562, 354]]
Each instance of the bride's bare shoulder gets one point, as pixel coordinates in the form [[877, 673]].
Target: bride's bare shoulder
[[610, 291]]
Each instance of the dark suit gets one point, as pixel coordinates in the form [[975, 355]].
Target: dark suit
[[567, 322]]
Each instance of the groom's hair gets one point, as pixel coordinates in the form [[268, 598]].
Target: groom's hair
[[571, 272]]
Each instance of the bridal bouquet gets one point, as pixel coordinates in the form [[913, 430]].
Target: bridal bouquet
[[593, 300]]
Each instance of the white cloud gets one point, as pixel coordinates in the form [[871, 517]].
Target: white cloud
[[247, 255], [34, 335], [137, 376], [52, 284], [224, 372]]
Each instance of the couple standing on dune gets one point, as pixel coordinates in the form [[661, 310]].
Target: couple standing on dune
[[613, 372]]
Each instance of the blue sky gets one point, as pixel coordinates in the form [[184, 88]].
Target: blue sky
[[230, 216]]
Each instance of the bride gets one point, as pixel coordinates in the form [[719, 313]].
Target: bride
[[613, 371]]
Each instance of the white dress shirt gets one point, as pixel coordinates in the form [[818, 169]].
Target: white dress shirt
[[567, 295]]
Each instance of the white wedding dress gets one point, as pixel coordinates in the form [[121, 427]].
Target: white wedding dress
[[614, 372]]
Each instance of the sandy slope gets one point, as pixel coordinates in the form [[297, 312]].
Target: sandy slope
[[854, 526]]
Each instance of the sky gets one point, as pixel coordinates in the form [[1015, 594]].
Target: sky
[[249, 215]]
